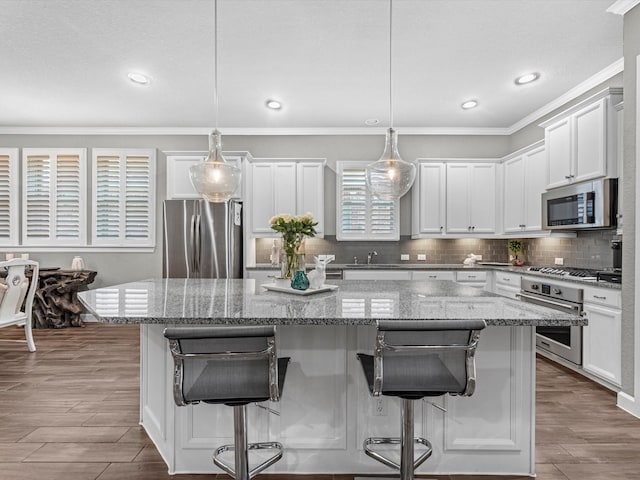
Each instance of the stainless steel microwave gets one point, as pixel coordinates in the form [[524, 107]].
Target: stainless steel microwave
[[581, 205]]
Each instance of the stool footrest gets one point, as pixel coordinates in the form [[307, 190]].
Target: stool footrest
[[252, 446], [395, 441]]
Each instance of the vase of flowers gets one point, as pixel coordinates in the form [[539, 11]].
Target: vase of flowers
[[294, 230]]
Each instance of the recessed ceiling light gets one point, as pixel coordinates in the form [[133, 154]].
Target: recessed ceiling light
[[371, 121], [274, 104], [469, 104], [527, 78], [139, 78]]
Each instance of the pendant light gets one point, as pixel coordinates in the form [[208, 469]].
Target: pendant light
[[390, 177], [215, 179]]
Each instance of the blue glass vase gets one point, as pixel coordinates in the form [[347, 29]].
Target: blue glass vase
[[300, 280]]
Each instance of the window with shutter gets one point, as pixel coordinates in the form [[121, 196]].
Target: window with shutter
[[8, 196], [360, 215], [123, 197], [54, 196]]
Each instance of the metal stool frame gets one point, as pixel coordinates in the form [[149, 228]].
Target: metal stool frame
[[408, 463], [240, 447]]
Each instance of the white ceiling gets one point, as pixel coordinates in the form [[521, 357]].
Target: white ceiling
[[64, 63]]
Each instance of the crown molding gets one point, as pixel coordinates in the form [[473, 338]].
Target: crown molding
[[235, 131], [621, 7], [593, 81]]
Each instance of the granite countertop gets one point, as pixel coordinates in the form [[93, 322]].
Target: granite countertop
[[210, 301], [457, 267]]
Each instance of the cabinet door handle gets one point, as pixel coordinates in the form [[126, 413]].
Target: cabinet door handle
[[568, 177], [473, 228], [471, 276], [600, 297], [506, 279], [441, 227]]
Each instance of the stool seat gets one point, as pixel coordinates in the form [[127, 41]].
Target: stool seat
[[233, 366]]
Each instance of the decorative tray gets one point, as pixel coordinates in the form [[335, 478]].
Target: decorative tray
[[308, 291]]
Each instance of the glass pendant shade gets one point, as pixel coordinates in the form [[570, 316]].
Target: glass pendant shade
[[215, 179], [390, 177]]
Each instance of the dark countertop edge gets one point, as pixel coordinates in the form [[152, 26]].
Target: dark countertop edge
[[456, 267]]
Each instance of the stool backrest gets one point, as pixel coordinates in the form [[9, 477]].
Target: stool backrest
[[17, 291], [423, 358], [224, 363]]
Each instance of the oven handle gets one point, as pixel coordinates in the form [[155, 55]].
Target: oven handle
[[544, 301]]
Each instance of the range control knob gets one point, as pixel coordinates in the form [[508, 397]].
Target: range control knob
[[557, 291], [534, 287]]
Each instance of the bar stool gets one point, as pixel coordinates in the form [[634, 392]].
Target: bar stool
[[234, 366], [414, 359]]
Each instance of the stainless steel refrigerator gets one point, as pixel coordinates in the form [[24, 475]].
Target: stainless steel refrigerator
[[202, 239]]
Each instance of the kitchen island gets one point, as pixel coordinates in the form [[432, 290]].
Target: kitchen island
[[325, 410]]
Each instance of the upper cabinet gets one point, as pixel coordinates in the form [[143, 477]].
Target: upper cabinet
[[525, 178], [179, 184], [284, 186], [471, 198], [451, 197], [581, 143], [429, 199]]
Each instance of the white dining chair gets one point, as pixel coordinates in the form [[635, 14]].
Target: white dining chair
[[16, 295]]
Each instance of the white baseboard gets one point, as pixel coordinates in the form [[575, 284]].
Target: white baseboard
[[628, 403], [88, 318]]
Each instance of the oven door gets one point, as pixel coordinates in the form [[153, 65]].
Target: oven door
[[566, 341]]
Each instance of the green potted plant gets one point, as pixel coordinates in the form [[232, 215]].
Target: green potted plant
[[516, 248]]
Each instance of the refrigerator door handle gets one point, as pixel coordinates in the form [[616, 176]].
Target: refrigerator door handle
[[191, 262], [197, 244]]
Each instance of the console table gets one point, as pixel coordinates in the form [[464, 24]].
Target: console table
[[56, 303]]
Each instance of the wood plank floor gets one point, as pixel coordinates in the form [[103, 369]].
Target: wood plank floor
[[70, 411]]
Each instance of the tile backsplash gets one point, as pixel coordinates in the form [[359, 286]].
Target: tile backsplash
[[588, 250]]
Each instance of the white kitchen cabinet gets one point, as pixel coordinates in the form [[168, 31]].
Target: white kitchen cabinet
[[179, 184], [581, 143], [525, 178], [471, 198], [619, 108], [374, 274], [507, 284], [294, 187], [432, 275], [429, 199], [601, 339], [472, 278], [262, 276]]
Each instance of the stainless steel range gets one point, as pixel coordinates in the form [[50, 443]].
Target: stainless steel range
[[565, 342], [582, 273]]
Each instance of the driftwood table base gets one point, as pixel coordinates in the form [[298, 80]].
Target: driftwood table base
[[56, 303]]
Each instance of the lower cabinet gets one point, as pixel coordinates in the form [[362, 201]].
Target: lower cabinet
[[472, 279], [433, 275], [376, 274], [601, 339], [507, 284]]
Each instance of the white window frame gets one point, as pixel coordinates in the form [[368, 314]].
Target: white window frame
[[121, 240], [9, 182], [52, 239], [368, 234]]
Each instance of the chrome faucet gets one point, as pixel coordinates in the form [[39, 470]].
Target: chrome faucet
[[370, 256], [355, 260]]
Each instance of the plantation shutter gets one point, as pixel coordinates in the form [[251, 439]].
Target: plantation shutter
[[124, 199], [54, 196], [8, 196], [362, 216]]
